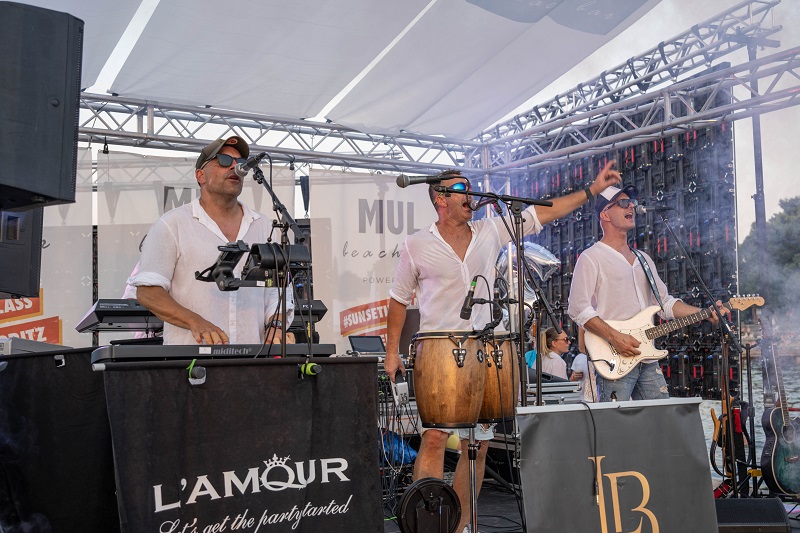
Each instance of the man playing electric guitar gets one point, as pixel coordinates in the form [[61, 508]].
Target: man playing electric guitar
[[610, 281]]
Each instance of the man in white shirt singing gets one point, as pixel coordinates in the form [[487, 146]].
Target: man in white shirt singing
[[185, 240], [439, 263]]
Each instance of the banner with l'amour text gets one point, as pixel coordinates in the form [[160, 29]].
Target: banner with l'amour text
[[357, 230]]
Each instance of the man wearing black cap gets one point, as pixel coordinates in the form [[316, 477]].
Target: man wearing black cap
[[609, 283], [185, 240]]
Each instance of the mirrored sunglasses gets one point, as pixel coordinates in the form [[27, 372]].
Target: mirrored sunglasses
[[459, 186]]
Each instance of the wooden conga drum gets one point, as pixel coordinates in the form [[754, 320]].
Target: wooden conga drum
[[502, 380], [449, 378]]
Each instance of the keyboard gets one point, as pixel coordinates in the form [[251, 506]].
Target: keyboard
[[122, 353]]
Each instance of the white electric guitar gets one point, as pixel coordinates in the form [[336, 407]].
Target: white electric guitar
[[612, 365]]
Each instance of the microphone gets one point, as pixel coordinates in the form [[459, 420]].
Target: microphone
[[475, 204], [642, 209], [497, 311], [241, 169], [466, 309], [404, 181]]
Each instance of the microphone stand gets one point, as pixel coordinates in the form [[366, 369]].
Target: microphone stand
[[516, 205], [287, 222], [728, 340]]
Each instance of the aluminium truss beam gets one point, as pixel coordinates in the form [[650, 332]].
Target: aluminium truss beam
[[146, 124], [665, 63], [668, 111]]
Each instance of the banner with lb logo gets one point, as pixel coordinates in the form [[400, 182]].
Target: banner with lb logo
[[613, 467]]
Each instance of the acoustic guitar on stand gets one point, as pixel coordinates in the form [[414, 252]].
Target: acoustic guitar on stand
[[780, 458], [612, 365]]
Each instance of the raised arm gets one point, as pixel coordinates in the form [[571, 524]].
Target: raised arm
[[564, 205]]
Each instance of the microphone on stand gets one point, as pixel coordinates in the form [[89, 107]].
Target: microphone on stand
[[466, 309], [642, 209], [241, 169], [476, 204], [404, 181]]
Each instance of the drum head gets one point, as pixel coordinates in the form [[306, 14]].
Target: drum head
[[429, 505]]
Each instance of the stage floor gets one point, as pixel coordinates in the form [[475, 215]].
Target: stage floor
[[498, 512]]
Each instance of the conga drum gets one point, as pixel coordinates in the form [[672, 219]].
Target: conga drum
[[502, 380], [449, 378]]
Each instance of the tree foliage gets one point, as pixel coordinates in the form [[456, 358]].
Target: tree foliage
[[776, 273]]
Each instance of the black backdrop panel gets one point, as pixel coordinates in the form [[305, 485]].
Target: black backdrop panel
[[652, 467], [56, 466], [254, 448], [40, 58]]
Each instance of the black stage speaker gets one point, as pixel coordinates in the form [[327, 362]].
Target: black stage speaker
[[752, 515], [40, 58], [20, 252]]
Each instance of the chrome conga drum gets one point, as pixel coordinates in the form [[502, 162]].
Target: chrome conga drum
[[502, 380], [449, 378]]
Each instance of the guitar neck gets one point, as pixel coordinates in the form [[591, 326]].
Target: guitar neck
[[668, 327], [779, 383]]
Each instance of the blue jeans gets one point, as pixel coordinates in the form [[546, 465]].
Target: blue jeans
[[645, 382]]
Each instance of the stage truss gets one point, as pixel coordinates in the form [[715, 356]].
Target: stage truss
[[621, 107]]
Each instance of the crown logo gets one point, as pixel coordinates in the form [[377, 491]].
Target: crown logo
[[276, 461]]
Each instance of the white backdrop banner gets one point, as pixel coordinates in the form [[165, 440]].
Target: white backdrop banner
[[357, 229], [66, 276], [135, 190]]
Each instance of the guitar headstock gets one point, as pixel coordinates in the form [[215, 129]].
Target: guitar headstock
[[741, 303]]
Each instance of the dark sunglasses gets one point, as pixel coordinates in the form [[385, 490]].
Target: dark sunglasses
[[624, 203], [225, 160]]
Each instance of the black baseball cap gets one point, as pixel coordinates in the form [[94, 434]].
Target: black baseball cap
[[213, 149]]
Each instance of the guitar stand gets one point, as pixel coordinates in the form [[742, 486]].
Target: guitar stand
[[753, 467]]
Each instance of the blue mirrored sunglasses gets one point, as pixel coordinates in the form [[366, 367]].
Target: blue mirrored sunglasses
[[459, 186]]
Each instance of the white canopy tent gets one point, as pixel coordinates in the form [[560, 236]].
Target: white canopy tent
[[436, 67]]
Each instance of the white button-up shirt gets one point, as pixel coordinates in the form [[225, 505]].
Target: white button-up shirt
[[431, 267], [185, 240], [604, 284]]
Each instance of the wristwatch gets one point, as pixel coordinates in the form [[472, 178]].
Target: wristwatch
[[275, 324], [588, 191]]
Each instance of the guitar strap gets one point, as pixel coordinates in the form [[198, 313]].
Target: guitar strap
[[640, 256]]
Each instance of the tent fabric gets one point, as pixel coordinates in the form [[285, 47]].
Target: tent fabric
[[484, 66], [436, 67]]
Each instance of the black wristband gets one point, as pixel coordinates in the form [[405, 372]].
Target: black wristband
[[588, 191]]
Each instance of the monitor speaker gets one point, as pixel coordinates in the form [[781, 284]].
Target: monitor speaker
[[40, 58], [751, 515]]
